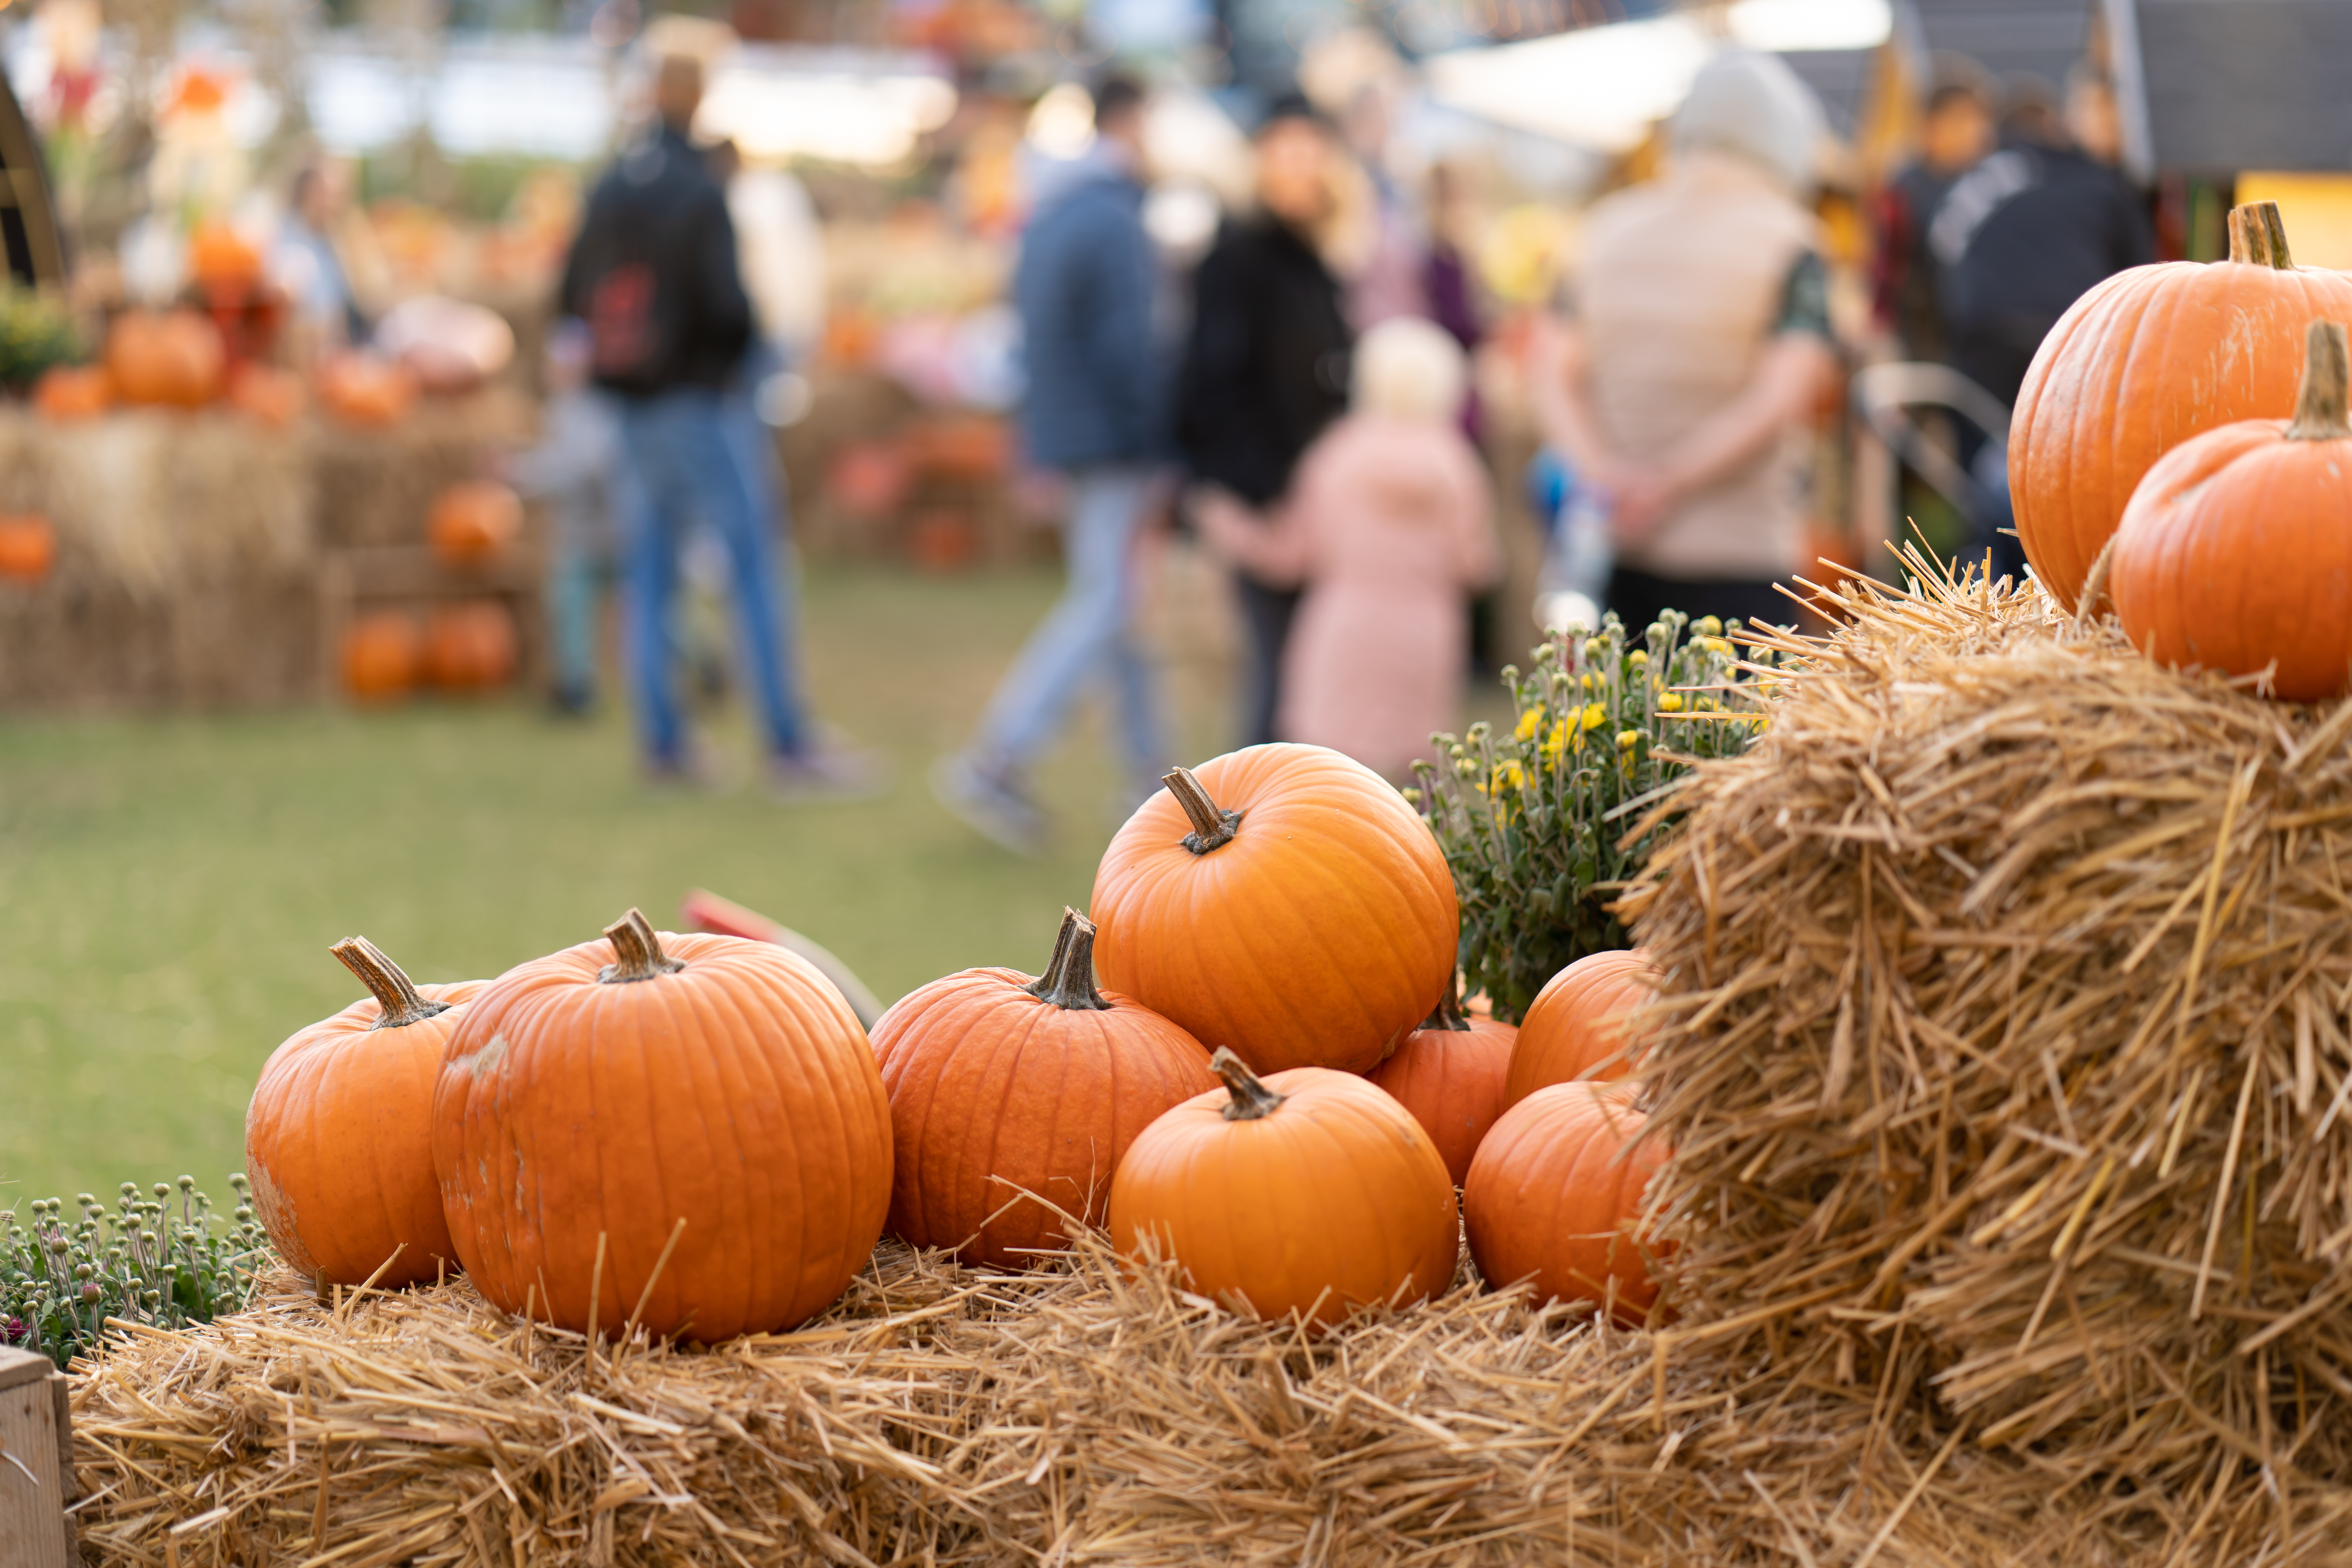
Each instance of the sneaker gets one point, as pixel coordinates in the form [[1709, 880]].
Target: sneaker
[[990, 805], [694, 771], [829, 771]]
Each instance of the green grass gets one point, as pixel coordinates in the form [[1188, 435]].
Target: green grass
[[169, 885]]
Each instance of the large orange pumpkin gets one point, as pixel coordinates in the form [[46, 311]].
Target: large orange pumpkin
[[366, 390], [471, 647], [471, 522], [700, 1114], [2142, 361], [2236, 551], [1450, 1074], [174, 357], [28, 547], [338, 1140], [1555, 1195], [383, 654], [1285, 901], [1311, 1192], [1000, 1085], [69, 394], [1575, 1029]]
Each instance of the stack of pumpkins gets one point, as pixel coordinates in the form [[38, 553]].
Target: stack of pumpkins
[[691, 1135], [468, 645]]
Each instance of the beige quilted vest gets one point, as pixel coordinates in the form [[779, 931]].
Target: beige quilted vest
[[1679, 286]]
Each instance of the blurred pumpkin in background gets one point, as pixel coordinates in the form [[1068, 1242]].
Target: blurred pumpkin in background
[[170, 357], [365, 390], [473, 522], [273, 396], [224, 265], [383, 654], [471, 647], [28, 547], [71, 393]]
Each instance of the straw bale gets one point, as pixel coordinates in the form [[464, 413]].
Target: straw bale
[[2005, 1047], [1072, 1414]]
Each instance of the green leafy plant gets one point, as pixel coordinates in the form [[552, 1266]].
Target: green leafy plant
[[165, 1260], [1538, 823], [36, 333]]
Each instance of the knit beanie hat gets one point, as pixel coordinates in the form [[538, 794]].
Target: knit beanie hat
[[1752, 105]]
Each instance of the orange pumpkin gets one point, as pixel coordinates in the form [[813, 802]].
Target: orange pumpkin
[[338, 1138], [1000, 1085], [383, 654], [28, 547], [473, 522], [365, 390], [1285, 901], [2236, 551], [174, 357], [223, 263], [1450, 1074], [71, 393], [471, 647], [2140, 364], [700, 1115], [1555, 1195], [1310, 1192], [1575, 1026], [266, 394]]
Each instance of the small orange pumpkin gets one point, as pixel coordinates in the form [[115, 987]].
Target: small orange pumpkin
[[1285, 901], [1312, 1192], [1450, 1074], [699, 1115], [1555, 1195], [2236, 551], [366, 390], [338, 1139], [473, 522], [471, 647], [266, 394], [1000, 1085], [383, 654], [28, 547], [69, 394], [172, 357], [1575, 1026]]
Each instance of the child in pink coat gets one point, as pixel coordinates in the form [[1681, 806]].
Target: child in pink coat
[[1389, 523]]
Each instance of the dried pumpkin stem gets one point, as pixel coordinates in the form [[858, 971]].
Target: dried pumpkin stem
[[1448, 1014], [2320, 412], [395, 993], [1070, 979], [638, 950], [2258, 235], [1251, 1098], [1211, 826]]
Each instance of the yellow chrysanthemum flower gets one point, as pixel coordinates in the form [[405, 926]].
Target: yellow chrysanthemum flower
[[1626, 739], [1595, 715], [1530, 722], [1672, 702]]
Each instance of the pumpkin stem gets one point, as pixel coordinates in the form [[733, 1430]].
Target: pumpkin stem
[[1251, 1098], [2257, 234], [1210, 827], [395, 993], [1448, 1014], [638, 950], [1068, 982], [2320, 406]]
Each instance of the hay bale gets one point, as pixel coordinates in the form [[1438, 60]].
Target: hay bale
[[1078, 1414], [2006, 1050]]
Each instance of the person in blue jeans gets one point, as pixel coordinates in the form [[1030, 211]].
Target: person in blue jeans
[[654, 273], [1086, 288]]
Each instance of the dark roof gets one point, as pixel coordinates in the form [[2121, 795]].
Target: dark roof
[[2045, 36], [2247, 84]]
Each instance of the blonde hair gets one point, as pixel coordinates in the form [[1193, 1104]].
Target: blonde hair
[[1408, 369]]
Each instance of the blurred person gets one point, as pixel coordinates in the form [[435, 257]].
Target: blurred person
[[1095, 412], [1389, 275], [1959, 127], [2091, 119], [656, 276], [572, 470], [1681, 391], [303, 261], [1389, 527], [1265, 367]]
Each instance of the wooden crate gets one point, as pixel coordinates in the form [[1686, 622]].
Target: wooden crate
[[36, 1478]]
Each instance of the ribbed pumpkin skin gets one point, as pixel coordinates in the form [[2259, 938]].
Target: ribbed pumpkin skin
[[1574, 1023], [738, 1093], [1548, 1198], [1320, 936], [1335, 1199], [2140, 364], [2237, 551], [1452, 1080], [988, 1082], [339, 1145]]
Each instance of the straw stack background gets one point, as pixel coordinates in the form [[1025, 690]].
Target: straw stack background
[[2007, 1056]]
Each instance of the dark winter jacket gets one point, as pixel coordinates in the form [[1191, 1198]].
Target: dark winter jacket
[[654, 273], [1085, 287], [1266, 368]]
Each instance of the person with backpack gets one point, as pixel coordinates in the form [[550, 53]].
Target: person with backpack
[[654, 273]]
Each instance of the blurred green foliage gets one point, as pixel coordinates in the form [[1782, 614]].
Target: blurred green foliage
[[36, 333]]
